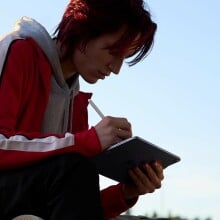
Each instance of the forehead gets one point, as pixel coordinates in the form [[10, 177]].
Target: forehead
[[119, 40]]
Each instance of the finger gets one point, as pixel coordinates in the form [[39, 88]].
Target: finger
[[141, 181], [154, 179], [123, 134], [158, 168], [122, 123]]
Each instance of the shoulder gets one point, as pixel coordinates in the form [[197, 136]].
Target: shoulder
[[25, 46], [25, 57], [27, 53]]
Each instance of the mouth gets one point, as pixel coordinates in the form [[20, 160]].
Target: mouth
[[103, 75]]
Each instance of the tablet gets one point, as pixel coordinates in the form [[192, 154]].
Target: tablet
[[115, 162]]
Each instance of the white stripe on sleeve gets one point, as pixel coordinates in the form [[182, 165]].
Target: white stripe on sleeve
[[50, 143]]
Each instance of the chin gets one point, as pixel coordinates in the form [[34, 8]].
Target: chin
[[91, 81]]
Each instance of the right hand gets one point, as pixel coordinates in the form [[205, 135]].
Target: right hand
[[144, 180], [111, 130]]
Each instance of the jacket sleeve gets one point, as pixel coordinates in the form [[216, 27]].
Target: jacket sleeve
[[114, 203], [21, 142]]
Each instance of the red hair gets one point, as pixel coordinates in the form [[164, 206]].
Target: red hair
[[84, 20]]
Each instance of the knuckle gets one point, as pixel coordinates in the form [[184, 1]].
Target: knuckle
[[152, 190], [129, 124], [142, 192], [145, 191], [158, 185], [108, 120], [111, 130]]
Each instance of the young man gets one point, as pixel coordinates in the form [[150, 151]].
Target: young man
[[45, 142]]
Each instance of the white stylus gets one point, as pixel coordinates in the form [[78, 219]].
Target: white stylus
[[96, 108]]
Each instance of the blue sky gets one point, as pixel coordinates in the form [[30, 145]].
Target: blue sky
[[171, 98]]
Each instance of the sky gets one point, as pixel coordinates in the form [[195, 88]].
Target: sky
[[171, 99]]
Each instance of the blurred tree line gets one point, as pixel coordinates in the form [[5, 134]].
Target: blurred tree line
[[155, 216]]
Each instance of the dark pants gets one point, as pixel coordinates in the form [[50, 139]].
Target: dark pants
[[60, 188]]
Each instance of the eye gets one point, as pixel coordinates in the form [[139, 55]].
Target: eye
[[132, 51], [114, 52]]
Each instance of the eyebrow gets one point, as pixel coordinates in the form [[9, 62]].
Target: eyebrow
[[132, 48]]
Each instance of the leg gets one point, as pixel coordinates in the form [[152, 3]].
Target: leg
[[20, 192], [74, 194], [62, 187]]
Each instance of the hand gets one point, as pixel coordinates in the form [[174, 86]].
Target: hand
[[145, 180], [111, 130]]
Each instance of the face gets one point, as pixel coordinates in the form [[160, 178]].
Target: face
[[97, 61]]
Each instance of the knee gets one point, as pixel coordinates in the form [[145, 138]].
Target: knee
[[74, 163]]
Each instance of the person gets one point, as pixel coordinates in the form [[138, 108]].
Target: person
[[45, 140]]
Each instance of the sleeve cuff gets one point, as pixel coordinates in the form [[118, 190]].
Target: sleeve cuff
[[113, 201], [88, 142]]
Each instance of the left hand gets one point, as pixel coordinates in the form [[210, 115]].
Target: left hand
[[145, 180]]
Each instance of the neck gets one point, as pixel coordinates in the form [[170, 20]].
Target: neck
[[67, 64], [67, 69]]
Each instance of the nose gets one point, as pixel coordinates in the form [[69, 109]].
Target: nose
[[116, 64]]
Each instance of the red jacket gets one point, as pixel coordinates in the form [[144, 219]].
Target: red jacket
[[24, 93]]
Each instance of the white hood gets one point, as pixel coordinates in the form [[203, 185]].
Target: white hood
[[57, 112], [28, 27]]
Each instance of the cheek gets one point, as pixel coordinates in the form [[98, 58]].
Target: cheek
[[79, 58], [98, 55], [91, 59]]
